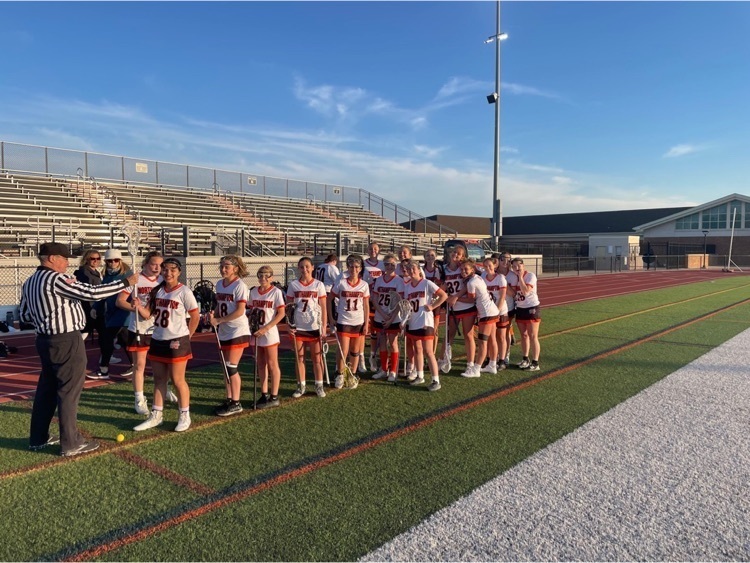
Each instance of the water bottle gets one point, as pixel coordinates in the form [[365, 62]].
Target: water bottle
[[9, 318]]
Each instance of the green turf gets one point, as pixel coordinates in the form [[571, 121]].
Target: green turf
[[346, 509]]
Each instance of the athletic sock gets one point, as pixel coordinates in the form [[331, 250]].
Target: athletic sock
[[139, 396], [384, 360]]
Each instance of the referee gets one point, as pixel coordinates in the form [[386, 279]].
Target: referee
[[51, 300]]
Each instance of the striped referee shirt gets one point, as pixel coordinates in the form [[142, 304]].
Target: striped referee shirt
[[52, 301]]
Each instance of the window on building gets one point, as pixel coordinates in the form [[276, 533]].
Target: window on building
[[688, 223], [738, 221], [715, 218]]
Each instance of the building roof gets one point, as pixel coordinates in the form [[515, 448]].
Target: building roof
[[595, 222], [684, 212]]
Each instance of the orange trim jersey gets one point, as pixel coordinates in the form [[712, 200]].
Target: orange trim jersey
[[308, 299], [268, 303], [454, 283], [495, 285], [419, 295], [228, 298], [145, 285], [351, 296], [172, 312], [524, 301], [382, 295], [477, 289]]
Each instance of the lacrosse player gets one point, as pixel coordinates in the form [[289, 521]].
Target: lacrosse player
[[433, 271], [230, 321], [504, 268], [308, 297], [487, 313], [387, 291], [267, 301], [522, 285], [373, 269], [176, 316], [497, 285], [424, 297], [460, 309], [353, 309], [140, 328]]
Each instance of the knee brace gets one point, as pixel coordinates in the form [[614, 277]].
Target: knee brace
[[354, 354], [232, 369], [483, 337]]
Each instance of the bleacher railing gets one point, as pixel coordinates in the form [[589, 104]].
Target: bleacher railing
[[68, 163]]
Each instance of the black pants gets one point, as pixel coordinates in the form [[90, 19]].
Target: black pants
[[60, 384], [107, 341]]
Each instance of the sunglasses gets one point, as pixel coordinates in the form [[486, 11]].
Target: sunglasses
[[97, 259], [264, 276], [113, 260]]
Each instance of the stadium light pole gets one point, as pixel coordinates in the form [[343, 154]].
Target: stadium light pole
[[494, 98], [705, 234]]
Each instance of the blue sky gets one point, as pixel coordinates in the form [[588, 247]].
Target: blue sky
[[605, 105]]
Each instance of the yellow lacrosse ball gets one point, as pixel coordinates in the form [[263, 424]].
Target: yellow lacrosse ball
[[120, 438]]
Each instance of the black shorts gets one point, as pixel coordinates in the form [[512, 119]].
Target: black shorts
[[170, 351], [132, 344], [530, 315], [350, 331]]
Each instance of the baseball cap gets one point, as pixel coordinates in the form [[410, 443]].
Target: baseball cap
[[54, 249]]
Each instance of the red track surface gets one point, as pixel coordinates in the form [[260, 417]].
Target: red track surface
[[19, 372]]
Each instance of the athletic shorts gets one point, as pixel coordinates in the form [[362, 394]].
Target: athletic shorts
[[511, 314], [393, 328], [503, 321], [470, 312], [488, 320], [349, 331], [426, 333], [307, 335], [170, 351], [133, 345], [530, 315], [235, 343]]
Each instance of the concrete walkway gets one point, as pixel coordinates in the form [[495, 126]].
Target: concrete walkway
[[662, 476]]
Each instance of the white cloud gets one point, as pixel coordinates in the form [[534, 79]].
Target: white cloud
[[682, 150]]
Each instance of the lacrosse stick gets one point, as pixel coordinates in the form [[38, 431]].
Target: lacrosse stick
[[323, 343], [291, 322], [132, 231], [351, 381], [446, 367], [254, 322], [404, 313]]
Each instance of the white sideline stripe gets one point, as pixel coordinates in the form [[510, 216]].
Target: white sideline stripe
[[662, 476]]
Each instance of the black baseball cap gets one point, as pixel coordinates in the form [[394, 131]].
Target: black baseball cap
[[54, 249]]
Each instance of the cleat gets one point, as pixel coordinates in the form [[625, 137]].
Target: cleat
[[141, 406], [501, 366], [338, 383], [84, 448], [267, 402], [299, 391], [320, 390], [411, 377], [392, 377], [233, 407], [97, 375], [155, 419], [183, 423], [533, 367], [374, 363], [489, 368], [434, 386], [51, 441], [418, 380], [380, 375], [471, 371], [524, 364]]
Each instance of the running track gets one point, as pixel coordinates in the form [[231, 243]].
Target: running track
[[19, 372]]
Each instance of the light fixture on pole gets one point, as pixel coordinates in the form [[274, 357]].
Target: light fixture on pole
[[494, 98], [705, 234]]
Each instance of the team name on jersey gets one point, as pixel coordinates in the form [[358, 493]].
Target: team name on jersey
[[167, 303], [303, 294], [261, 304], [144, 291], [352, 294], [224, 297]]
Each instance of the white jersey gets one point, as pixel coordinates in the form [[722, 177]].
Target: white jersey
[[434, 275], [309, 301], [269, 303], [373, 270], [351, 305], [382, 295], [496, 286], [171, 313], [524, 301], [477, 289], [228, 299], [420, 294], [454, 283], [327, 273], [145, 285]]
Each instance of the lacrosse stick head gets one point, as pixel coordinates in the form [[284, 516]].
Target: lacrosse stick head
[[404, 311], [351, 381], [289, 313], [254, 318], [205, 296], [132, 232]]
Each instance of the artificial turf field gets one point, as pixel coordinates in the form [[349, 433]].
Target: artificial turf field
[[333, 478]]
